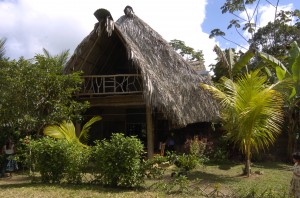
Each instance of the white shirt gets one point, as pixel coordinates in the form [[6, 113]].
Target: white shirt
[[9, 151]]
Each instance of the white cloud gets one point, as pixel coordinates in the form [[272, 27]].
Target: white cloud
[[266, 14], [30, 25]]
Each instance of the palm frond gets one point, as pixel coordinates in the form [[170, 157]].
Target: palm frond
[[46, 53], [2, 48], [83, 137], [64, 130], [54, 131], [251, 111], [68, 128], [222, 57], [62, 58]]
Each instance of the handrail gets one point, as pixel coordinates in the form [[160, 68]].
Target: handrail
[[97, 85]]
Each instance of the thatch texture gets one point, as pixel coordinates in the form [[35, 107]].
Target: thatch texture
[[170, 84]]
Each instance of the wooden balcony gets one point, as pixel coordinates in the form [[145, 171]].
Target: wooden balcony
[[104, 85]]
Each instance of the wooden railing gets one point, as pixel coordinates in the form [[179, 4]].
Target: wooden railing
[[96, 85]]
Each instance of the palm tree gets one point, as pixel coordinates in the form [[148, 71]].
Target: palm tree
[[61, 58], [251, 112], [2, 48], [67, 130]]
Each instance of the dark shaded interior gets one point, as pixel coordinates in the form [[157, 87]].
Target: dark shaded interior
[[109, 57]]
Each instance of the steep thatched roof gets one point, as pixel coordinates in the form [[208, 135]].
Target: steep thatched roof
[[170, 84]]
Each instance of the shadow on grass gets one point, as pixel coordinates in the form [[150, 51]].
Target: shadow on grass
[[211, 178], [273, 165], [77, 187], [227, 165]]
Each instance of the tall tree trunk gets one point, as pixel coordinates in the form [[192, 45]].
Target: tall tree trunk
[[248, 162]]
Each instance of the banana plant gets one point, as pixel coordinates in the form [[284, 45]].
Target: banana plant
[[66, 130], [293, 74], [234, 67]]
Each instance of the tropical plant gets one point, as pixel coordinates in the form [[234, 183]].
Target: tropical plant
[[56, 160], [119, 161], [61, 58], [251, 112], [275, 38], [66, 130], [291, 73], [233, 64], [2, 48]]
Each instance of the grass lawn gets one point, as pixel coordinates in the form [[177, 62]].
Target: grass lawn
[[268, 179]]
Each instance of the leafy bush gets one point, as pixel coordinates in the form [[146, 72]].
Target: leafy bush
[[56, 159], [195, 146], [154, 168], [187, 162], [77, 161], [118, 161], [219, 151]]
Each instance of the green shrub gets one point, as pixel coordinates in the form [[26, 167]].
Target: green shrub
[[219, 151], [155, 167], [118, 161], [193, 156], [77, 161], [187, 163], [56, 159], [195, 146]]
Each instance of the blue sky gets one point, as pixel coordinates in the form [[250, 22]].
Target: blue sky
[[215, 18], [31, 25]]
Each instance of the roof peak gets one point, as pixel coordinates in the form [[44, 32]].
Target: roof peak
[[129, 11]]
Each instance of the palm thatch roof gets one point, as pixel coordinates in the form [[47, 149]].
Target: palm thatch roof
[[131, 46]]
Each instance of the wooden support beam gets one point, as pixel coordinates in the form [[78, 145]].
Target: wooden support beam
[[150, 136]]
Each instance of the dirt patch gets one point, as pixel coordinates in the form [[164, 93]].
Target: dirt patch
[[14, 179]]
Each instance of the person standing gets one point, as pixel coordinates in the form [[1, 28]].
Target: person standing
[[9, 151], [170, 143], [295, 182]]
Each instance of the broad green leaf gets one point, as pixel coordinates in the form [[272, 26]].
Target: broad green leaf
[[280, 73], [296, 69], [274, 62], [268, 72], [242, 62], [293, 93], [294, 53]]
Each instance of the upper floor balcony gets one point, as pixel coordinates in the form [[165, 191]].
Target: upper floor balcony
[[101, 85]]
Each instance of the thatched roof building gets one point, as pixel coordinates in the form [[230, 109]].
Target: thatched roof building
[[129, 45]]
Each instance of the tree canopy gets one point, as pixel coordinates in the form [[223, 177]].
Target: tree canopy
[[187, 52], [34, 93]]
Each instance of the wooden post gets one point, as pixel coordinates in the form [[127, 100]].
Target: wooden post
[[150, 139]]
